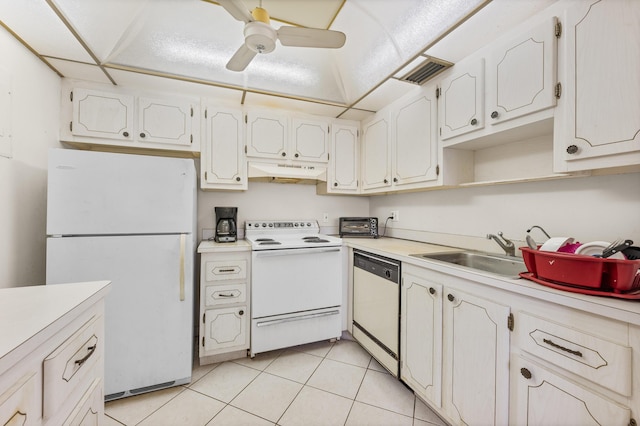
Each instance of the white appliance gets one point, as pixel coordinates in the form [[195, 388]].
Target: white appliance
[[296, 284], [130, 219], [376, 308]]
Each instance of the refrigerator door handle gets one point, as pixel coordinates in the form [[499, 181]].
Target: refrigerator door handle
[[183, 239]]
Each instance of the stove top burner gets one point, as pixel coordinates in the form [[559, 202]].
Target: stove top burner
[[315, 240], [264, 239], [269, 242]]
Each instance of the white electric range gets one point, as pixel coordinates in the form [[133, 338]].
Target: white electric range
[[296, 284]]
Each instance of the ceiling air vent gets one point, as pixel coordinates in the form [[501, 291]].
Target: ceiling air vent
[[426, 70]]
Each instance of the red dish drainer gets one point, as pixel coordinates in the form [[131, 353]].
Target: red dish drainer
[[583, 274]]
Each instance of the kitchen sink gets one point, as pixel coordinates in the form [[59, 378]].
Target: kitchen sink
[[506, 266]]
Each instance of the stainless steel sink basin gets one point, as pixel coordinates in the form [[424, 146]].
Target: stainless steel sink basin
[[506, 266]]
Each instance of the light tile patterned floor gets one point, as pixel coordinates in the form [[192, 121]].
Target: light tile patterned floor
[[321, 383]]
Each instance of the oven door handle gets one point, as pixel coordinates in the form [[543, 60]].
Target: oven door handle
[[300, 318], [288, 252]]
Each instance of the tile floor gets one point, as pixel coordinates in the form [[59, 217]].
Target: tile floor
[[321, 383]]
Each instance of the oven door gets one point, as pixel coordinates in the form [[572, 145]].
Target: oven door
[[295, 280]]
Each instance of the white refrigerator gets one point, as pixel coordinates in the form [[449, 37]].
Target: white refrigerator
[[130, 219]]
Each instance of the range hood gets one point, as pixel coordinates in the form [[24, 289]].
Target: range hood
[[286, 173]]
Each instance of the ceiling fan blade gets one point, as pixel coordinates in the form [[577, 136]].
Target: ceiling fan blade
[[241, 59], [237, 9], [310, 37]]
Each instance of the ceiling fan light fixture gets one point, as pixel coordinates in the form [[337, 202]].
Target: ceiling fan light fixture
[[260, 37]]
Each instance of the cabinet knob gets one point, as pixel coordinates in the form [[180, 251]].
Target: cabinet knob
[[494, 114], [525, 373], [335, 183], [432, 290], [395, 179], [450, 297], [572, 149], [474, 122], [241, 312], [238, 179], [142, 135], [125, 134], [284, 154], [297, 155], [386, 181]]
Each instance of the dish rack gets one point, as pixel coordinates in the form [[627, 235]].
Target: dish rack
[[583, 274]]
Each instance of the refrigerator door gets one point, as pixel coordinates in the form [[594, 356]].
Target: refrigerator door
[[148, 325], [99, 193]]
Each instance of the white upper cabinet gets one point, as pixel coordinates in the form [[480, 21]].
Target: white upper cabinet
[[598, 121], [267, 134], [521, 74], [415, 139], [462, 99], [344, 160], [165, 121], [310, 139], [118, 117], [102, 114], [376, 153], [223, 164]]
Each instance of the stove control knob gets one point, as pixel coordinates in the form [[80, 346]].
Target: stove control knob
[[308, 224], [295, 224], [264, 225], [271, 225]]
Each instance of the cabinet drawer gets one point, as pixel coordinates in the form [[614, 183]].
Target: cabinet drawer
[[70, 367], [18, 404], [225, 294], [219, 270], [603, 362], [90, 408]]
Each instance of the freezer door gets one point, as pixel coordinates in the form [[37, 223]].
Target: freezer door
[[148, 314], [99, 193]]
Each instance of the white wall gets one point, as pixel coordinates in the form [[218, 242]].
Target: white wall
[[280, 201], [587, 208], [35, 102]]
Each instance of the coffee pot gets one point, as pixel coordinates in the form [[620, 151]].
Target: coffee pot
[[226, 219]]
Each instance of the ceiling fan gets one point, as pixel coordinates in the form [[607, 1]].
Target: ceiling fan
[[260, 36]]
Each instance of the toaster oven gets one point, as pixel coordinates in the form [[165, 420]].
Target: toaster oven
[[359, 227]]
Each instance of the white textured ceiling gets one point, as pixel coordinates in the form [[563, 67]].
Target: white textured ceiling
[[191, 41]]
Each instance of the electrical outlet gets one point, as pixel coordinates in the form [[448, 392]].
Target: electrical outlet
[[325, 217], [395, 215]]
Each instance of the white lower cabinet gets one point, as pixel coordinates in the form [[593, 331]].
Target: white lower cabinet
[[224, 303], [546, 398], [455, 349]]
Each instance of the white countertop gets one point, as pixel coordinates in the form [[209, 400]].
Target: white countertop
[[207, 246], [26, 311], [618, 309]]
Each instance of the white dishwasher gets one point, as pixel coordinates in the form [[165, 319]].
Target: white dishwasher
[[376, 307]]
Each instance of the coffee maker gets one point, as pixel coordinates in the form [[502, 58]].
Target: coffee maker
[[226, 219]]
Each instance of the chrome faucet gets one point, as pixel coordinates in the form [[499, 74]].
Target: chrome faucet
[[507, 245], [540, 228]]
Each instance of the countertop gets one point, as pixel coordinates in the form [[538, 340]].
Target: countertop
[[207, 246], [618, 309], [27, 311]]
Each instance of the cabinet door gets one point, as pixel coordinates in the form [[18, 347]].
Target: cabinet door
[[223, 161], [600, 115], [376, 158], [545, 398], [18, 403], [421, 337], [164, 121], [267, 135], [476, 360], [225, 328], [521, 74], [462, 97], [415, 139], [343, 164], [310, 140], [102, 115]]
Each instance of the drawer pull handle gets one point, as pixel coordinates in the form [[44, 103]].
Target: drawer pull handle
[[82, 360], [226, 270], [226, 295], [562, 348]]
